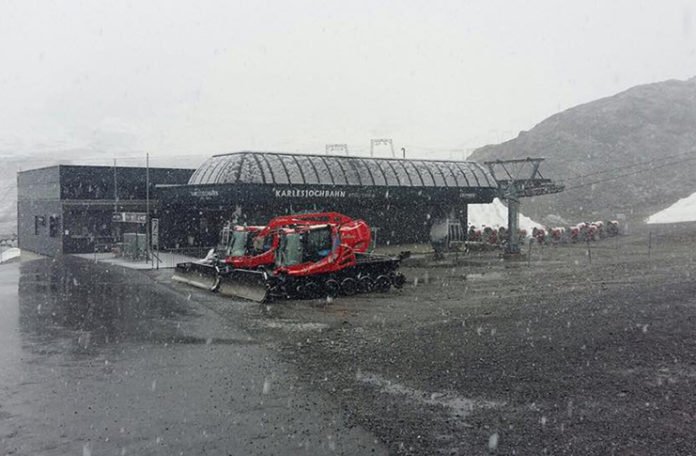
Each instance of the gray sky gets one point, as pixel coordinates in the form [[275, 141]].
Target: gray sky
[[204, 77]]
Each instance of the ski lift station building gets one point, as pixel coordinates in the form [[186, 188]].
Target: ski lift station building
[[399, 198]]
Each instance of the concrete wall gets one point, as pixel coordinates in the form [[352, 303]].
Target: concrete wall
[[37, 237], [39, 184], [38, 199]]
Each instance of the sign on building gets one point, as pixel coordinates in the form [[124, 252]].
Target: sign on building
[[129, 217]]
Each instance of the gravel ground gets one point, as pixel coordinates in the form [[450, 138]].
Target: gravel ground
[[477, 355]]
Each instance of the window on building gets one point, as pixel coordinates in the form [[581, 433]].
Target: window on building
[[39, 221], [54, 225]]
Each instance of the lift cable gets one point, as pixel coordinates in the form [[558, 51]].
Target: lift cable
[[665, 165], [621, 168]]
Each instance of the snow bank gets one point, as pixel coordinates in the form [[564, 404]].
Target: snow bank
[[683, 210], [495, 214], [8, 254]]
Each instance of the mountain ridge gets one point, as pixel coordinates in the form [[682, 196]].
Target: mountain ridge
[[637, 150]]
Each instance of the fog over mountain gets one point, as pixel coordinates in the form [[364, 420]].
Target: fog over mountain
[[17, 160], [87, 82], [632, 153], [217, 75]]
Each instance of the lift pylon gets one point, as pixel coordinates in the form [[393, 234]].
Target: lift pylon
[[519, 178]]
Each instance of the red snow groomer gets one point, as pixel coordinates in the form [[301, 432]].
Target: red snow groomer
[[254, 247], [315, 261], [313, 255], [246, 247]]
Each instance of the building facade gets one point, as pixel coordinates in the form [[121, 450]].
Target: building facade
[[77, 209], [401, 199]]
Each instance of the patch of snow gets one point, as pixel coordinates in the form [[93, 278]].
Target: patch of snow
[[493, 441], [495, 214], [459, 406], [683, 210], [294, 326], [8, 254]]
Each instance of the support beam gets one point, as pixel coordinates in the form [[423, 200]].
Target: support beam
[[516, 179], [513, 244]]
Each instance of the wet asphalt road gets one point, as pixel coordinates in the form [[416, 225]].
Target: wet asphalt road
[[99, 361]]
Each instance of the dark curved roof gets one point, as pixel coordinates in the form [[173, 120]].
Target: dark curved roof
[[296, 169]]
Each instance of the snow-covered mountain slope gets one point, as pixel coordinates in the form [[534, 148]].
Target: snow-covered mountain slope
[[495, 215], [683, 210]]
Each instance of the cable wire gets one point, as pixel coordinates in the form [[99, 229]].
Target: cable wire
[[630, 174], [648, 162]]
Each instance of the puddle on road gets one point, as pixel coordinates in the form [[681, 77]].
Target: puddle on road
[[460, 407], [93, 305]]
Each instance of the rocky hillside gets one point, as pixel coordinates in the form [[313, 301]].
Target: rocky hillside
[[637, 150]]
